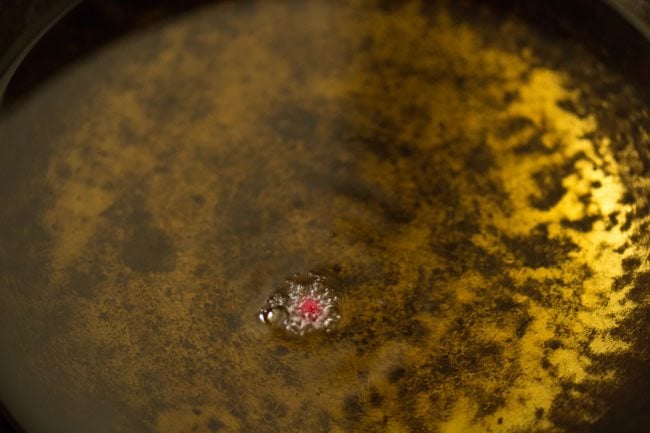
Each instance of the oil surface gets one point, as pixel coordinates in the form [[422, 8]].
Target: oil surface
[[464, 194]]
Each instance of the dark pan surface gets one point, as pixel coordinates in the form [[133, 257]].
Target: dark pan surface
[[472, 180]]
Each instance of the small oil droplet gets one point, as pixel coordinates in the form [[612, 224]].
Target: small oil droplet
[[302, 306]]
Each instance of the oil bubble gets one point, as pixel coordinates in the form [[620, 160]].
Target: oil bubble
[[303, 305]]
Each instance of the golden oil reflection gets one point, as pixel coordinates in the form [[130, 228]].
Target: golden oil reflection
[[593, 309]]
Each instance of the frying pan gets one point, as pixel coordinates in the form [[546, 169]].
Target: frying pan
[[469, 178]]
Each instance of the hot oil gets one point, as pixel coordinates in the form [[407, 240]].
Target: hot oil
[[451, 181]]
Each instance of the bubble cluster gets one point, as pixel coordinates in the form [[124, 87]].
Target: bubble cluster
[[302, 306]]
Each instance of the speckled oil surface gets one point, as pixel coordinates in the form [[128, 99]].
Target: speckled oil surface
[[468, 198]]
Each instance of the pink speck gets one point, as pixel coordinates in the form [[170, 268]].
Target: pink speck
[[309, 307]]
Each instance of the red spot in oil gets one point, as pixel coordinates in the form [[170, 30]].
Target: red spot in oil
[[309, 307]]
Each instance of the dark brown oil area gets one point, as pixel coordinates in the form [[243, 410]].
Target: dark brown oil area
[[464, 195]]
